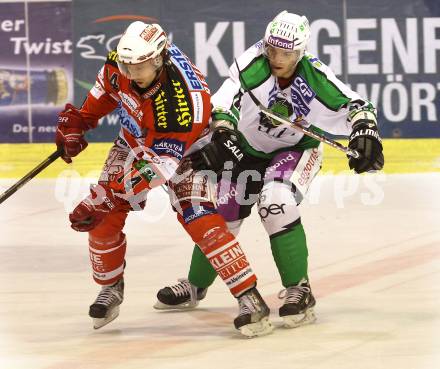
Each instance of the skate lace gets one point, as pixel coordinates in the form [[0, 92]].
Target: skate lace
[[108, 296], [184, 289], [293, 294], [246, 305]]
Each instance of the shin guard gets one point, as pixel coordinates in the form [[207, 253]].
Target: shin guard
[[280, 217], [222, 250], [107, 258], [201, 273]]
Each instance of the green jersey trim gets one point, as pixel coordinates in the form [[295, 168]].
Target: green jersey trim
[[255, 73], [225, 116], [327, 93]]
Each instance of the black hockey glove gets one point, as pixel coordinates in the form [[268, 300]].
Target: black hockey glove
[[366, 141], [223, 147]]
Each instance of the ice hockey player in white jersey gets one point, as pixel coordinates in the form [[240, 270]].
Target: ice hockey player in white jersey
[[287, 79]]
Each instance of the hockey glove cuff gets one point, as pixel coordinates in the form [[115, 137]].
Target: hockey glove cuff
[[365, 139], [94, 208], [224, 147], [70, 132]]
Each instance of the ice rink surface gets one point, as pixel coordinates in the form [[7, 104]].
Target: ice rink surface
[[374, 244]]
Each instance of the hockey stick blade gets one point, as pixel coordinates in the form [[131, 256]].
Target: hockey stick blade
[[40, 167]]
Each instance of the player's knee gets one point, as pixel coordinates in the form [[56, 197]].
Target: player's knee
[[192, 212], [214, 236], [205, 226], [277, 207]]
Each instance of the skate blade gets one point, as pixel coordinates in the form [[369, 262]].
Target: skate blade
[[261, 328], [294, 321], [185, 306], [101, 322]]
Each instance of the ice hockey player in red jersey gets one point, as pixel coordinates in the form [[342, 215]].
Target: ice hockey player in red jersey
[[163, 103]]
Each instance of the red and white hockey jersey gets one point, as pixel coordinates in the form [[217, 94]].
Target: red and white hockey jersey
[[167, 117]]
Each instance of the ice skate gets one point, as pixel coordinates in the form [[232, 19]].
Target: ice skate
[[106, 306], [298, 305], [181, 296], [253, 318]]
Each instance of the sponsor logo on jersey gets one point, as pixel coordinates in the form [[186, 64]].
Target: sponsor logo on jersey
[[97, 91], [186, 68], [302, 95], [299, 106], [196, 211], [152, 90], [161, 111], [184, 117], [132, 104], [281, 162], [272, 209], [128, 100], [169, 146], [224, 199], [172, 107], [127, 121], [304, 89], [316, 62], [145, 171], [309, 167], [197, 106]]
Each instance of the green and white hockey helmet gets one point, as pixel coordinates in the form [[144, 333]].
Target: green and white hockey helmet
[[139, 43], [288, 31]]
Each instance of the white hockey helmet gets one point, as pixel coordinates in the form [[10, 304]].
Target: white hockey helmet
[[139, 43], [288, 31]]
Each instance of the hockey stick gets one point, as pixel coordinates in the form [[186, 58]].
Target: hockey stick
[[296, 125], [45, 163]]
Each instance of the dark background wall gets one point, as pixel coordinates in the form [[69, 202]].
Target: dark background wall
[[387, 51]]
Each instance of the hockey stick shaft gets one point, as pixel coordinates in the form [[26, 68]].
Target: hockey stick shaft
[[40, 167], [310, 133], [295, 125]]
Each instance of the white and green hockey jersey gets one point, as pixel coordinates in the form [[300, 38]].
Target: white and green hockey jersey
[[315, 94]]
